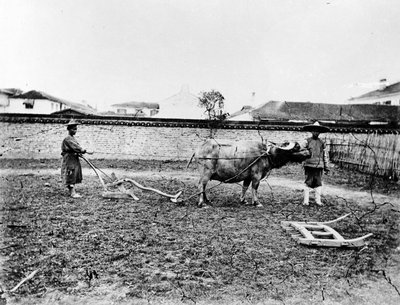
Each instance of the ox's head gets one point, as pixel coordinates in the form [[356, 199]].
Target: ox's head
[[288, 152]]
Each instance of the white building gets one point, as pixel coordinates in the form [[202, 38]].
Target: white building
[[243, 114], [5, 97], [36, 102], [138, 109], [183, 105], [385, 95]]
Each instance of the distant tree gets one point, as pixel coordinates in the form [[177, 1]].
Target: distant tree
[[213, 102]]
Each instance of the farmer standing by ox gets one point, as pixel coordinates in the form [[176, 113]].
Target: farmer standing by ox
[[71, 170], [317, 163]]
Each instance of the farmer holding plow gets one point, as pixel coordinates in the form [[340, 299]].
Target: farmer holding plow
[[71, 170]]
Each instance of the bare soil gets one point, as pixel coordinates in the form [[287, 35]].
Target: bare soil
[[100, 251]]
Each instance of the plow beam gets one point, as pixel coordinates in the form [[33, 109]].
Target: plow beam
[[173, 198]]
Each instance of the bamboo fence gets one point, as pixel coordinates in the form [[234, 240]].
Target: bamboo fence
[[377, 154]]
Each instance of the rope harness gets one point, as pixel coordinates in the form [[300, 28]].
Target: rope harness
[[238, 174], [173, 197]]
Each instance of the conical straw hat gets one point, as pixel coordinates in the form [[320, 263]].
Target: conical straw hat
[[316, 127]]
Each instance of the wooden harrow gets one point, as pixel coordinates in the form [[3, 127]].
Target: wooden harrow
[[320, 234]]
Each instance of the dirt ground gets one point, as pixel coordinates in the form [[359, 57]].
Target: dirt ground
[[152, 251]]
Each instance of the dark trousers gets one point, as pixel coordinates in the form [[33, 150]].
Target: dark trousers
[[313, 176]]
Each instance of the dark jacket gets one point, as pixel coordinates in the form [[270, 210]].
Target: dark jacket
[[319, 156], [71, 170]]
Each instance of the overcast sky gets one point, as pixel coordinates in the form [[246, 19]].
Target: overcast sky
[[107, 52]]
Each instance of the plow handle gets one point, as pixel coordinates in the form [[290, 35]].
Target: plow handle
[[95, 170]]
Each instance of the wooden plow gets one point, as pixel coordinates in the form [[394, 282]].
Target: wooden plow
[[121, 192], [320, 234]]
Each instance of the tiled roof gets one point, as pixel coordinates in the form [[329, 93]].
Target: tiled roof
[[38, 95], [275, 110], [137, 105], [71, 111], [11, 91], [393, 88]]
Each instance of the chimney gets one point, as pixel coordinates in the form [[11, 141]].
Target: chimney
[[382, 84], [253, 99]]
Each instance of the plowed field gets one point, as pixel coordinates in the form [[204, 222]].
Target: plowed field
[[153, 250]]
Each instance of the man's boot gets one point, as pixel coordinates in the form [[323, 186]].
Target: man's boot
[[318, 195], [73, 193], [306, 195]]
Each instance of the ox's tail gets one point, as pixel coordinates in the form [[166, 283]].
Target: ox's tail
[[190, 161]]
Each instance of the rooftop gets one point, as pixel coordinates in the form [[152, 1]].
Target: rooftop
[[387, 90], [137, 105], [306, 111]]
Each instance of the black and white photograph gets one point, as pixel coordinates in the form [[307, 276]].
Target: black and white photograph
[[214, 152]]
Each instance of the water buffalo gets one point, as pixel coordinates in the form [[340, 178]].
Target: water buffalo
[[247, 161]]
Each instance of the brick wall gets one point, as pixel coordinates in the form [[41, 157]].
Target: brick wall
[[40, 137], [43, 140]]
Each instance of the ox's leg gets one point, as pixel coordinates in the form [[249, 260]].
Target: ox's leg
[[254, 190], [245, 186], [202, 190]]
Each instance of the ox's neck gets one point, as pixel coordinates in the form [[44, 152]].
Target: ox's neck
[[277, 159]]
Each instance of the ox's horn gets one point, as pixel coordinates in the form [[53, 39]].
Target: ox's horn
[[288, 147]]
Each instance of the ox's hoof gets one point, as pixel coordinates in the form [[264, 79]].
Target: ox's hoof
[[203, 205], [244, 202]]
